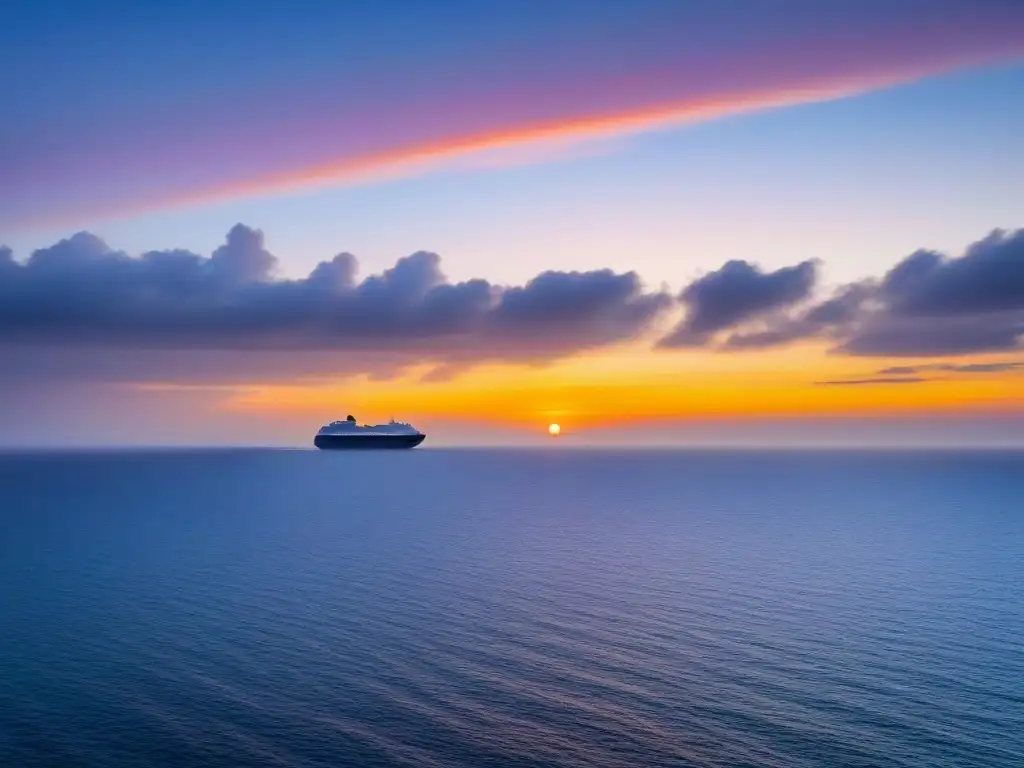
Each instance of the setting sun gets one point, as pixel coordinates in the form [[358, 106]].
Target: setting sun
[[554, 429]]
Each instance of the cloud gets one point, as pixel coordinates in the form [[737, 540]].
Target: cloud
[[241, 136], [83, 310], [989, 277], [886, 334], [872, 381], [80, 292], [927, 305], [933, 304], [1000, 367], [736, 293], [828, 318], [915, 374]]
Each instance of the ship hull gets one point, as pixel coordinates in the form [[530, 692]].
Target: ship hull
[[367, 442]]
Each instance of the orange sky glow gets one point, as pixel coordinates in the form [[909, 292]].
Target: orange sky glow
[[626, 387]]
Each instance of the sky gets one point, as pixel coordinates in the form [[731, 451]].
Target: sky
[[664, 222]]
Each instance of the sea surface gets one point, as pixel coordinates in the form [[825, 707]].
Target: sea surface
[[512, 608]]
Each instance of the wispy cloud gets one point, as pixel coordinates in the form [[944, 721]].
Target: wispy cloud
[[346, 135], [876, 381], [1000, 367], [915, 374]]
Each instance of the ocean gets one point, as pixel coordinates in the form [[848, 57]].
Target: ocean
[[512, 608]]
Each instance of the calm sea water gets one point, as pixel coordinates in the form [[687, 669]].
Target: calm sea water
[[511, 608]]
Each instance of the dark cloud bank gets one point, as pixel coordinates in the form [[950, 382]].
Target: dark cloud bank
[[928, 305], [81, 293], [915, 374], [81, 296]]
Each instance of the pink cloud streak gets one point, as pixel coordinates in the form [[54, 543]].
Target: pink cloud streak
[[328, 139]]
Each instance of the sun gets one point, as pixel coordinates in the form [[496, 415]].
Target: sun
[[554, 430]]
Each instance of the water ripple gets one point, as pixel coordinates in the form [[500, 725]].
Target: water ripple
[[304, 610]]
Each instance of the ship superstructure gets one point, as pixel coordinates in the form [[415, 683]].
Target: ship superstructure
[[349, 434]]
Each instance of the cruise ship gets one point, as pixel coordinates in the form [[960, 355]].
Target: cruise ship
[[348, 435]]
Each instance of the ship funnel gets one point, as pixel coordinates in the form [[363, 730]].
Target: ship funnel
[[350, 418]]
